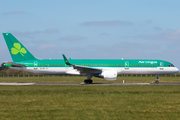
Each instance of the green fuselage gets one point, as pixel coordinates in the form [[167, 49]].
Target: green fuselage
[[96, 63]]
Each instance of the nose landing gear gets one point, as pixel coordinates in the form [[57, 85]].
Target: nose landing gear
[[157, 79]]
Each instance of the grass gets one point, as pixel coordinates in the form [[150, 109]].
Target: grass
[[90, 102], [79, 79]]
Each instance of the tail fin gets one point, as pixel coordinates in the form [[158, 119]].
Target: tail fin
[[17, 50]]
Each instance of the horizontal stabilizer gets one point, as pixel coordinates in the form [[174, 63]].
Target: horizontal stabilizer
[[14, 64]]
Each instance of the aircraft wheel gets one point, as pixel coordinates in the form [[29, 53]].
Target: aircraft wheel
[[85, 81], [88, 81], [156, 81]]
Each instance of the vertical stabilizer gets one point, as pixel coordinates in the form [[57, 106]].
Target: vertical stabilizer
[[17, 50]]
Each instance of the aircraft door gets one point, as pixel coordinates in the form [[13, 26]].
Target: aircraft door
[[66, 66], [126, 65], [35, 64], [161, 66]]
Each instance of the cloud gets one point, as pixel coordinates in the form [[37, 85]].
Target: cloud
[[73, 38], [16, 12], [157, 28], [49, 31], [29, 34], [47, 46], [168, 35], [171, 35], [107, 23], [148, 21], [135, 46], [126, 50], [26, 34]]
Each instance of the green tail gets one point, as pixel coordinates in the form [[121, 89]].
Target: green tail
[[17, 50]]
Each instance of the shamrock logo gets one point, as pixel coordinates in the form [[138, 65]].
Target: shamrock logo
[[17, 48]]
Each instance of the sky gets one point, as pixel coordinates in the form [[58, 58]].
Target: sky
[[93, 29]]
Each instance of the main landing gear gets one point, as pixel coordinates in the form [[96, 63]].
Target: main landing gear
[[157, 79], [88, 80]]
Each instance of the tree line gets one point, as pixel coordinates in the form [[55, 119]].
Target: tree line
[[8, 71]]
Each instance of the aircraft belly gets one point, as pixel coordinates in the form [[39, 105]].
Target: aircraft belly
[[50, 70], [162, 70], [120, 70]]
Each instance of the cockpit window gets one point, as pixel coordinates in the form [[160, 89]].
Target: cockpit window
[[171, 65]]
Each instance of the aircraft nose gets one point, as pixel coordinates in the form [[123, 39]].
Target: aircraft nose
[[176, 69]]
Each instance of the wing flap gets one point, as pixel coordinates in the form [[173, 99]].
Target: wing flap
[[79, 67]]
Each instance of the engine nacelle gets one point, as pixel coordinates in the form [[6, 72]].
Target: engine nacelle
[[109, 75]]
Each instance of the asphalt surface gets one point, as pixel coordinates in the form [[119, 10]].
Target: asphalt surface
[[105, 84]]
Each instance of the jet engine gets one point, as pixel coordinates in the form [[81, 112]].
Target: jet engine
[[108, 75]]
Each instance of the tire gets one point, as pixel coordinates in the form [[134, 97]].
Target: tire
[[156, 81], [88, 81]]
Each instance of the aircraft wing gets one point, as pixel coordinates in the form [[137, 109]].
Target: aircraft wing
[[87, 69], [82, 69], [14, 64]]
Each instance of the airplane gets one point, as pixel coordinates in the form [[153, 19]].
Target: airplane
[[107, 69]]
